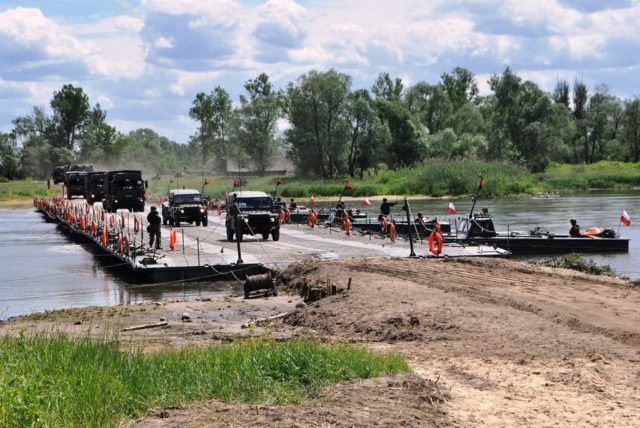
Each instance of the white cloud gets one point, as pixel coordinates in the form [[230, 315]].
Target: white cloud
[[163, 43]]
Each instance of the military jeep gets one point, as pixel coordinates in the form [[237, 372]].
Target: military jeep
[[255, 213], [184, 205]]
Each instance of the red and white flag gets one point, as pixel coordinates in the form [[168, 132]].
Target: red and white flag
[[366, 202], [451, 209], [625, 219]]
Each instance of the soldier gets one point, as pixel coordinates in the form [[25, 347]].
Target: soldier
[[154, 228], [575, 228]]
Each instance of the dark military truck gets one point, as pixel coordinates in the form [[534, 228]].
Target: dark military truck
[[124, 189], [256, 215], [94, 186], [185, 205], [59, 173], [74, 183]]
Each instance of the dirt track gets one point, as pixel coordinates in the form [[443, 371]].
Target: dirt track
[[493, 343]]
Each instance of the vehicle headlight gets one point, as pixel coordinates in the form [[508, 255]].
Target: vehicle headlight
[[272, 219], [246, 220], [93, 196], [181, 211], [115, 201], [201, 210]]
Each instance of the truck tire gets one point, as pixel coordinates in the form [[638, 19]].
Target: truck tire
[[229, 234], [197, 222], [265, 235], [177, 222], [205, 221], [275, 234]]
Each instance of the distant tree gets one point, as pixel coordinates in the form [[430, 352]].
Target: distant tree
[[317, 110], [430, 104], [213, 112], [580, 100], [460, 86], [632, 127], [603, 117], [9, 164], [407, 144], [258, 114], [368, 136], [561, 93], [387, 88], [468, 120], [70, 108], [98, 138]]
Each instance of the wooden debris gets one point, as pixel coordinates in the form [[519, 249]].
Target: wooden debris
[[143, 326]]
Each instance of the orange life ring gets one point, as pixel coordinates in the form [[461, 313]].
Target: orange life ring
[[383, 224], [435, 243], [173, 238], [392, 232]]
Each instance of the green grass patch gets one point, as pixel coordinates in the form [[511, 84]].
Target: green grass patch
[[27, 189], [577, 262], [55, 380]]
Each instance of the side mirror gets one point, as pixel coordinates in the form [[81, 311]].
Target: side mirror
[[146, 184]]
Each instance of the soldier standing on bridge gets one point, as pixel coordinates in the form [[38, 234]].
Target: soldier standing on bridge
[[154, 227]]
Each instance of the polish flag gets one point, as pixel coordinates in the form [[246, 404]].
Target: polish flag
[[451, 209], [624, 218], [366, 202]]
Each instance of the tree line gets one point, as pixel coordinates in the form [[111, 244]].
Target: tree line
[[327, 129]]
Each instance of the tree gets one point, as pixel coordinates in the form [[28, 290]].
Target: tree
[[9, 165], [580, 99], [214, 113], [98, 138], [70, 108], [386, 88], [368, 136], [632, 127], [258, 114], [430, 104], [460, 86], [317, 112], [407, 146], [561, 93]]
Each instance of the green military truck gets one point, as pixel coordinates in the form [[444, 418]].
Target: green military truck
[[256, 215], [185, 205]]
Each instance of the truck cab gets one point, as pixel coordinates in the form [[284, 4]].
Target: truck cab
[[255, 214], [185, 205], [94, 186], [74, 182], [124, 189]]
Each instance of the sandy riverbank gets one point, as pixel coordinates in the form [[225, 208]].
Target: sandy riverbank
[[492, 343]]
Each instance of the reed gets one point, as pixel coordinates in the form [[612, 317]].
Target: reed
[[55, 380]]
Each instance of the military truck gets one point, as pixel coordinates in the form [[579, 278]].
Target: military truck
[[124, 189], [58, 173], [94, 186], [256, 215], [74, 183], [185, 205]]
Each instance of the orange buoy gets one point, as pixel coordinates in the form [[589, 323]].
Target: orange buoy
[[136, 224], [392, 232], [83, 222], [347, 226], [120, 243], [173, 239], [122, 220], [287, 215], [105, 237], [94, 228], [281, 216], [219, 208], [435, 243], [112, 220], [127, 245], [311, 220]]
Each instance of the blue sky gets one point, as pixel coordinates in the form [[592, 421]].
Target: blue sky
[[144, 60]]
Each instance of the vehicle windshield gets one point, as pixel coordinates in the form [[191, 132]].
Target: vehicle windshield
[[259, 203], [128, 184], [194, 198], [75, 180]]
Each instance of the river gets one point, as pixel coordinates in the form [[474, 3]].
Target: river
[[40, 269]]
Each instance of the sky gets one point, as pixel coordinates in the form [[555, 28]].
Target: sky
[[144, 61]]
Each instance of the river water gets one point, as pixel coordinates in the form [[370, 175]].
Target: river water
[[40, 269]]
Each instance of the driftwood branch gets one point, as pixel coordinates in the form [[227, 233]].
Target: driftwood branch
[[143, 326]]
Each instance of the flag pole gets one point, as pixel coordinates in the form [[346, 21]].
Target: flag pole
[[619, 223], [475, 197]]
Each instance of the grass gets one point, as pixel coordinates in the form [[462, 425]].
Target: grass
[[55, 380], [577, 262], [12, 192]]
